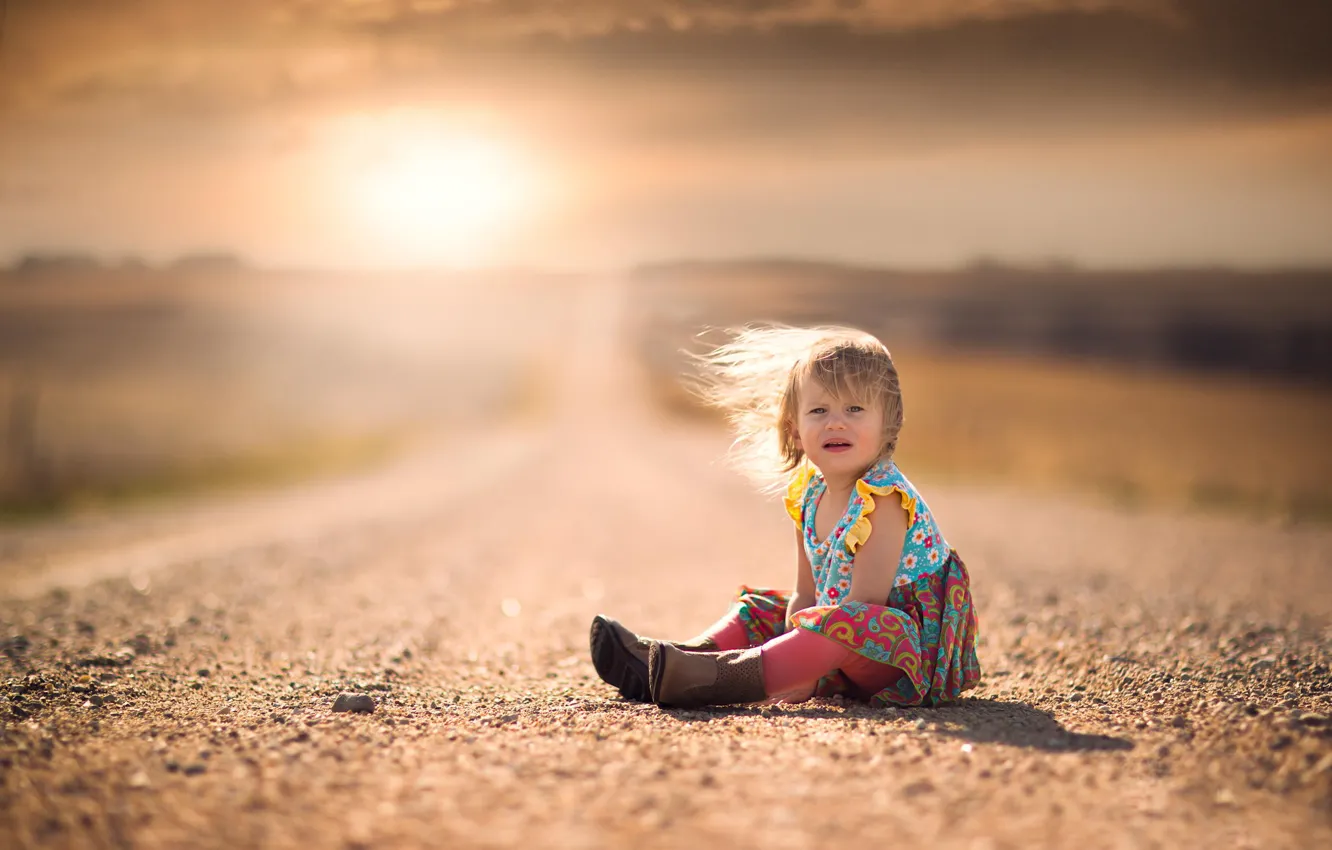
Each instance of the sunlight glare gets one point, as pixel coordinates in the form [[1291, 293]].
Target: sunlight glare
[[442, 198]]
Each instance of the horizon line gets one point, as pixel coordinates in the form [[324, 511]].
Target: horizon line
[[222, 261]]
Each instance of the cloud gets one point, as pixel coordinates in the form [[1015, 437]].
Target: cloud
[[687, 71], [59, 44], [581, 18]]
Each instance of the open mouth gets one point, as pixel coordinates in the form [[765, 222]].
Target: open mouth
[[837, 445]]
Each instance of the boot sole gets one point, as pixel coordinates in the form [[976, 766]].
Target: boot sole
[[656, 666], [614, 663]]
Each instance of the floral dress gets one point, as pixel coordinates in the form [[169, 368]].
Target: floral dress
[[926, 629]]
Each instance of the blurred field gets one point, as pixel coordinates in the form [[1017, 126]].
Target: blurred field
[[1146, 390], [116, 383], [1119, 409]]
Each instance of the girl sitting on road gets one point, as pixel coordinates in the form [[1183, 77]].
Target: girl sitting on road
[[881, 607]]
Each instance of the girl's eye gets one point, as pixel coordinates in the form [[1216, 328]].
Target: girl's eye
[[855, 408], [818, 410]]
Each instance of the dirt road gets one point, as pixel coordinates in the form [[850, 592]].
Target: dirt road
[[1150, 680]]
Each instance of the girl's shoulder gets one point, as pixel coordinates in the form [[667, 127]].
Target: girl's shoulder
[[921, 521], [884, 478]]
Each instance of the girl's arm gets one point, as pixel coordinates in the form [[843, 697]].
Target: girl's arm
[[801, 598], [875, 564], [803, 595]]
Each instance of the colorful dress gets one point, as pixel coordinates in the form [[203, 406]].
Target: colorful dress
[[927, 629]]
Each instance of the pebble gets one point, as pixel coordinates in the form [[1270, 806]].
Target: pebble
[[1324, 766], [359, 703], [16, 645]]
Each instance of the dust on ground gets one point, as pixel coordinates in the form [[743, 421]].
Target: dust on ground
[[1150, 679]]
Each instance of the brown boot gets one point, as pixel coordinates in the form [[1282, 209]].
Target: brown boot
[[621, 657], [689, 680]]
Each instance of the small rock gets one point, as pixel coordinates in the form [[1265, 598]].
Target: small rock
[[920, 723], [1324, 766], [1179, 721], [195, 769], [1224, 797], [16, 645], [359, 703], [1311, 718], [139, 780], [1075, 697]]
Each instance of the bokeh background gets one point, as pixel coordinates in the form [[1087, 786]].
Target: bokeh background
[[248, 242]]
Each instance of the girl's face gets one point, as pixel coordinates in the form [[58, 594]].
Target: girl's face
[[841, 436]]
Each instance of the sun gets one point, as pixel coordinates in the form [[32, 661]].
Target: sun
[[442, 198]]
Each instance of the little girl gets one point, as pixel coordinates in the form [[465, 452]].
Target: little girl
[[881, 608]]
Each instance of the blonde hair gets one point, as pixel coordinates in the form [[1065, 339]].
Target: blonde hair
[[755, 378]]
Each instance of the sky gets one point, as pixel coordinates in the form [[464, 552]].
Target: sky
[[597, 134]]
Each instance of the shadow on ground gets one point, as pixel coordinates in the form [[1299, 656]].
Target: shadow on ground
[[1015, 724], [981, 721]]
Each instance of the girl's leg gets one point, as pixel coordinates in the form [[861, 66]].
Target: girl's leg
[[786, 667], [794, 662], [727, 633], [757, 616], [870, 676], [620, 656]]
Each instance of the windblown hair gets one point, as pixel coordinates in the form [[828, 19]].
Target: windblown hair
[[755, 377]]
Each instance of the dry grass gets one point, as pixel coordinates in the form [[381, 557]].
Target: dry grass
[[1164, 438], [992, 393], [1127, 435]]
